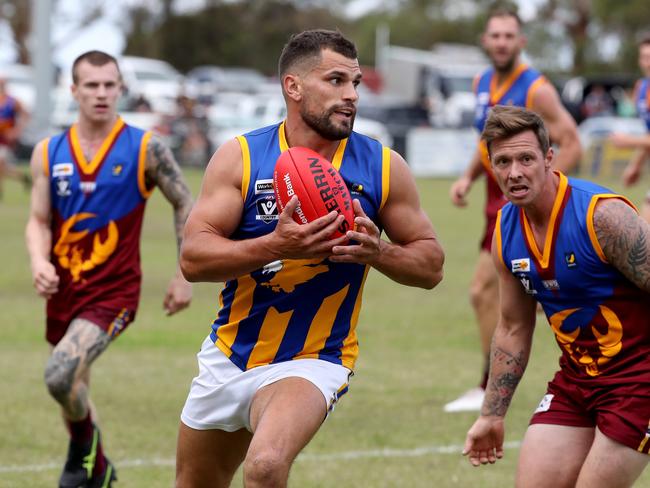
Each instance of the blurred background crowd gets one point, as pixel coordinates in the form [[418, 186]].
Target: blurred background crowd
[[201, 71]]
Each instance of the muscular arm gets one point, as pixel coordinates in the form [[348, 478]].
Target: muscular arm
[[511, 341], [413, 256], [208, 253], [561, 127], [38, 234], [163, 171], [509, 354], [625, 240]]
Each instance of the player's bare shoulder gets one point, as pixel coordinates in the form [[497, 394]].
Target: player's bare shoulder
[[625, 239]]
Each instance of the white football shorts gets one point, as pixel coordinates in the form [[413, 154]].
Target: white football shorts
[[220, 396]]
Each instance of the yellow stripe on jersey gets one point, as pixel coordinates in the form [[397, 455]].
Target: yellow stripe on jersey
[[46, 157], [590, 221], [531, 91], [282, 138], [350, 349], [274, 326], [86, 167], [385, 175], [246, 166], [337, 160], [544, 258], [241, 306], [142, 166], [321, 326], [497, 237]]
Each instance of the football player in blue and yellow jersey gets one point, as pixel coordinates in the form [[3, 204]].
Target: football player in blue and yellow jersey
[[582, 253], [91, 185], [284, 341], [13, 119], [508, 81], [640, 143]]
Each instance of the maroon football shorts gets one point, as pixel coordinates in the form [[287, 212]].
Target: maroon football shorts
[[486, 242], [621, 412], [113, 321]]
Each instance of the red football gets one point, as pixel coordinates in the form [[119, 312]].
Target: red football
[[317, 184]]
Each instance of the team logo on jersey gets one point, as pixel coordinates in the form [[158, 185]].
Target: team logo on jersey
[[520, 265], [117, 169], [63, 186], [570, 259], [73, 256], [263, 186], [551, 285], [483, 98], [62, 169], [528, 284], [267, 209], [87, 186]]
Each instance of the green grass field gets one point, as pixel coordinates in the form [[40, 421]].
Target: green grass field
[[419, 349]]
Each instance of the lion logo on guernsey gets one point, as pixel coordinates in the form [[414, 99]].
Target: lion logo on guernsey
[[590, 359], [71, 256]]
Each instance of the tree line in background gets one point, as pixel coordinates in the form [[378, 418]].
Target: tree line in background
[[252, 32]]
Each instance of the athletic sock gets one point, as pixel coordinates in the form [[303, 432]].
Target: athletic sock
[[81, 432]]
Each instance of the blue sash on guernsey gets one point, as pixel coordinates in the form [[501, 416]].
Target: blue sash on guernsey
[[297, 308], [643, 101], [599, 318]]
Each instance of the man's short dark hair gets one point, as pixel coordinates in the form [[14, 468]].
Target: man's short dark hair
[[310, 43], [506, 121], [504, 10], [96, 58]]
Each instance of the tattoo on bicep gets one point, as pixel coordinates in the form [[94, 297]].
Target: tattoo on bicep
[[623, 238], [509, 370], [163, 171]]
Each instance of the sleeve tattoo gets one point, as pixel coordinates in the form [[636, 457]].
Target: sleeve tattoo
[[163, 171], [625, 240]]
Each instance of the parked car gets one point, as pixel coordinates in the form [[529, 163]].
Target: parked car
[[206, 82], [153, 79], [242, 113]]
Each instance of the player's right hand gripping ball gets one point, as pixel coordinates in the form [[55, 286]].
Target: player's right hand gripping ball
[[317, 184]]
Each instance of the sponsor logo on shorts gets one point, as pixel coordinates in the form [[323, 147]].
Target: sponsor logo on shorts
[[551, 285], [62, 169], [263, 186], [528, 284], [267, 209], [545, 404], [520, 265]]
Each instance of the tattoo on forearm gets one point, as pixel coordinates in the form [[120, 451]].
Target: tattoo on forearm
[[508, 370], [163, 171], [623, 237]]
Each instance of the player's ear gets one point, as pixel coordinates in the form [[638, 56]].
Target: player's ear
[[292, 87], [549, 158]]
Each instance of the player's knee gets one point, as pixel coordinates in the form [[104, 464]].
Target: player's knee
[[266, 468], [59, 378]]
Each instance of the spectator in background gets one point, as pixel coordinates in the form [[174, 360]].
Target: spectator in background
[[640, 143], [13, 118], [597, 102]]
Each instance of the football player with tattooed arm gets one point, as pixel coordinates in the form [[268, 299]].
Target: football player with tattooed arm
[[583, 253], [90, 187]]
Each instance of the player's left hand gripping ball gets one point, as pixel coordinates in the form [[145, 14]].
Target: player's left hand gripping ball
[[317, 184]]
